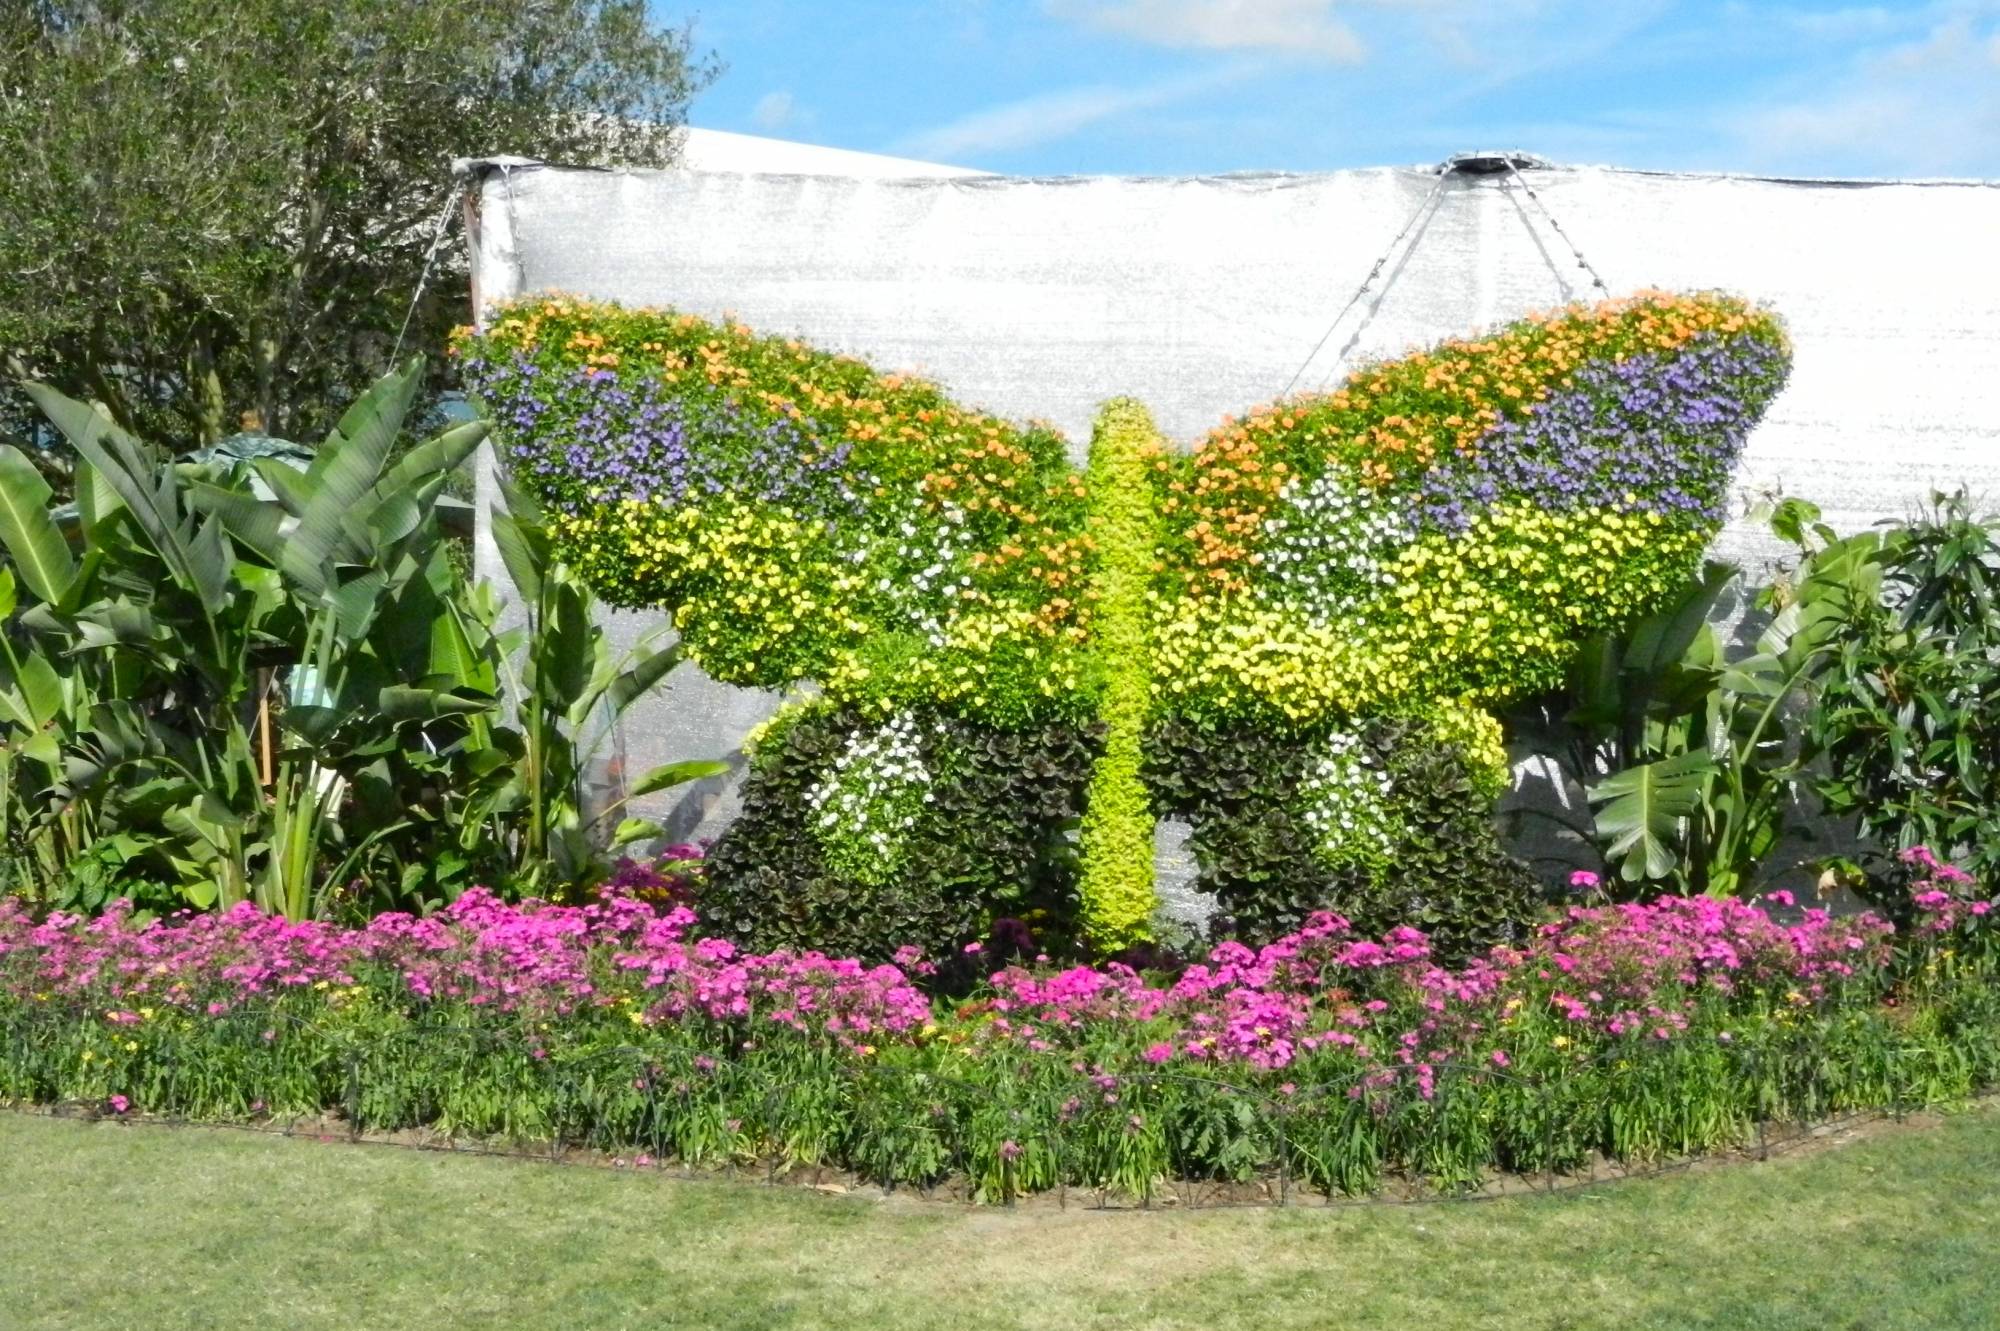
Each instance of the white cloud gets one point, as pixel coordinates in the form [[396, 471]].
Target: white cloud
[[1925, 107], [774, 111], [1299, 27], [1050, 116], [1861, 21]]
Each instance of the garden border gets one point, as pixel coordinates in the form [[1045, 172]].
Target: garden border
[[1280, 1188]]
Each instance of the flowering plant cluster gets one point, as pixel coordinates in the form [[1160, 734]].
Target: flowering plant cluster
[[1346, 804], [801, 514], [1632, 1030], [867, 803], [1441, 526], [521, 962], [1448, 525]]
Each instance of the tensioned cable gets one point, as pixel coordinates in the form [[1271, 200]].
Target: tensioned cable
[[1430, 202], [1556, 226], [451, 201]]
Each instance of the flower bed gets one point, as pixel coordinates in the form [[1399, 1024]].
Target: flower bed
[[1634, 1031]]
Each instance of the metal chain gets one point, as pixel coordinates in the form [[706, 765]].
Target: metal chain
[[1556, 226], [1430, 201]]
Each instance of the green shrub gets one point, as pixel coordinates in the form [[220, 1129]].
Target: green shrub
[[1262, 848], [989, 840], [1907, 710], [1116, 888]]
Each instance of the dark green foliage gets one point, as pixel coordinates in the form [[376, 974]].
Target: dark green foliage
[[1908, 708], [1446, 874], [1449, 875], [993, 842], [218, 210]]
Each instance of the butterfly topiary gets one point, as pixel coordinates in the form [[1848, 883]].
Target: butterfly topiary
[[1430, 540]]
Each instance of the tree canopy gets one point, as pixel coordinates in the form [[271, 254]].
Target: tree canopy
[[215, 212]]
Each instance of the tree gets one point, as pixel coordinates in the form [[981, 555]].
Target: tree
[[215, 212]]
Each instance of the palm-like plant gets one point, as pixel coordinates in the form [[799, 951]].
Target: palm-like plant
[[271, 696], [564, 677], [1702, 755]]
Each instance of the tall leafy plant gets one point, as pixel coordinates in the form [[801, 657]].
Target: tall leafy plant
[[192, 592], [1699, 746], [566, 688], [1909, 700]]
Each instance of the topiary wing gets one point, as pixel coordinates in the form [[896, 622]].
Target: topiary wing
[[1453, 524], [802, 516]]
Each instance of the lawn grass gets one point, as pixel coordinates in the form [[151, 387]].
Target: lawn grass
[[114, 1226]]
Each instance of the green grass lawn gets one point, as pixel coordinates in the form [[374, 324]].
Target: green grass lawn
[[129, 1226]]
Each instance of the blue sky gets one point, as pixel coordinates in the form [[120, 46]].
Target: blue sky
[[1168, 86]]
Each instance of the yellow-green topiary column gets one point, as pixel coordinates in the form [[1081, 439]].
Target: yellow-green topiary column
[[1116, 882]]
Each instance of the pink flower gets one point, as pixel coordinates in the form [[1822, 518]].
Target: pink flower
[[1159, 1053], [119, 1104]]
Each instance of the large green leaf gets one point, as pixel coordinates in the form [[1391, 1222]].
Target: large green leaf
[[313, 723], [41, 688], [453, 654], [115, 734], [256, 524], [287, 482], [396, 515], [637, 678], [400, 703], [566, 656], [150, 490], [28, 532], [524, 549], [209, 563], [1644, 808], [669, 775], [117, 623], [1660, 641], [96, 502], [368, 429], [332, 523], [435, 457], [636, 829], [355, 604]]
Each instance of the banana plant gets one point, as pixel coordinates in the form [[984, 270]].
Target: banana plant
[[415, 746], [1702, 759], [564, 681], [355, 541], [196, 589], [47, 695]]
